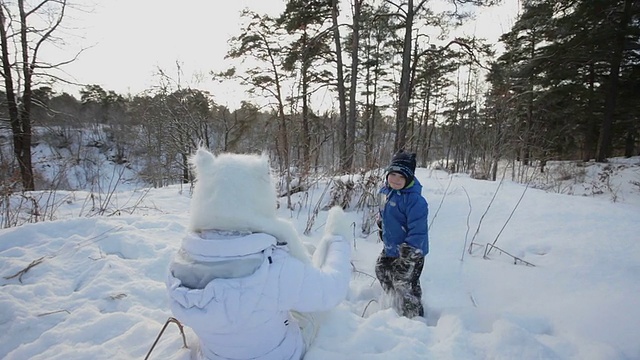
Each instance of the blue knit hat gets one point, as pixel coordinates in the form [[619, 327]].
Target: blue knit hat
[[405, 164]]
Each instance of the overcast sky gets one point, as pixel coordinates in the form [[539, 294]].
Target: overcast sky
[[129, 40]]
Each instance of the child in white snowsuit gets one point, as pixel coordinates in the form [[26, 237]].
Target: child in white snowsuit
[[403, 222], [241, 270]]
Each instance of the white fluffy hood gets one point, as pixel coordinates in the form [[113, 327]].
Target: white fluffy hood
[[235, 192]]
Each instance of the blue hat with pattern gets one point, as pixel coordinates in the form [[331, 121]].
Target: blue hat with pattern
[[403, 163]]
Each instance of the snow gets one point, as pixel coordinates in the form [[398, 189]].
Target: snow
[[95, 288]]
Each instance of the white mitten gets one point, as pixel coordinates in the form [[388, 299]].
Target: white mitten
[[337, 223], [337, 228]]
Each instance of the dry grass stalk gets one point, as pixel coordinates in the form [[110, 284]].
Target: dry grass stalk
[[53, 312], [516, 260], [20, 273], [169, 320]]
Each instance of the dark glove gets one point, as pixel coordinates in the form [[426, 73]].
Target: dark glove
[[409, 252]]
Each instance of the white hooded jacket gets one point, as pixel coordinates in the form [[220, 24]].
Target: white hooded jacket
[[248, 317], [236, 287]]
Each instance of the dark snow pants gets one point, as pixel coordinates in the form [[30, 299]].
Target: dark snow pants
[[400, 277]]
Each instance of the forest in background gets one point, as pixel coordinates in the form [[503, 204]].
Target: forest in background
[[565, 88]]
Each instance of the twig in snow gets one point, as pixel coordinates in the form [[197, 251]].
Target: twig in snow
[[20, 273], [312, 216], [366, 307], [466, 235], [53, 312], [170, 320], [96, 238], [355, 270], [509, 218], [353, 224], [364, 273], [473, 300], [483, 215], [515, 258], [446, 191]]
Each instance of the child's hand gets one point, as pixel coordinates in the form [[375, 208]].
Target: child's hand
[[409, 252]]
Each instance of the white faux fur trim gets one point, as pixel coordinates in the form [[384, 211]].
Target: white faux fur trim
[[236, 192]]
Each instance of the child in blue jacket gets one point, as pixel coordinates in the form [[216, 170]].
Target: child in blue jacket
[[403, 222]]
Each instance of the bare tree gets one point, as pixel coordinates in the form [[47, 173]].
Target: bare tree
[[21, 41], [261, 41], [412, 18]]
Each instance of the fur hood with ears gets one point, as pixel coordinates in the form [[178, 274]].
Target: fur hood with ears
[[235, 192]]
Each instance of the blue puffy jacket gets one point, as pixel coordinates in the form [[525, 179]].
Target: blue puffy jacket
[[404, 216]]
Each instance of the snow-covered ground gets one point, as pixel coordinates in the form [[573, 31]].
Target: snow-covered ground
[[90, 284]]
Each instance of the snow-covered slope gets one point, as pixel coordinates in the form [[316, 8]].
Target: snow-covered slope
[[93, 287]]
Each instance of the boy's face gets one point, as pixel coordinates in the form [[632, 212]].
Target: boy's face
[[396, 180]]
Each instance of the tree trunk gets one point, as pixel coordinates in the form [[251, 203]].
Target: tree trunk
[[282, 124], [604, 143], [369, 121], [372, 105], [18, 117], [353, 90], [12, 103], [630, 140], [591, 137], [306, 135], [525, 155], [24, 59], [404, 88], [342, 99]]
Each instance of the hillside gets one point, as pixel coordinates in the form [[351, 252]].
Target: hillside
[[85, 279]]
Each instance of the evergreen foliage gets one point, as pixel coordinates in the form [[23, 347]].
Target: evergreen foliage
[[565, 87]]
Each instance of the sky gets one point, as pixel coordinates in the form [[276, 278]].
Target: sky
[[92, 286], [127, 41]]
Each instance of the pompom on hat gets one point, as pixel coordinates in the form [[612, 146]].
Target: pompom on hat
[[403, 163]]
